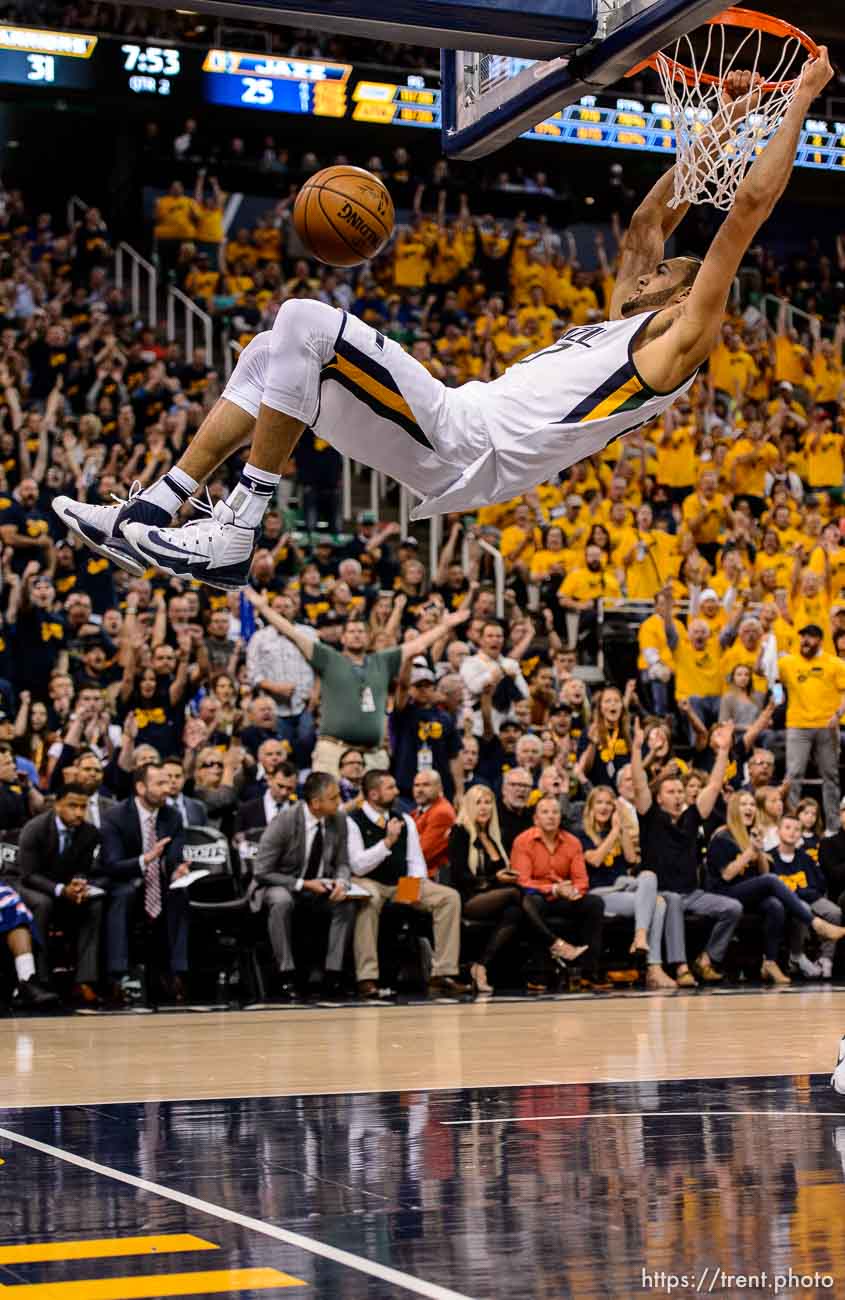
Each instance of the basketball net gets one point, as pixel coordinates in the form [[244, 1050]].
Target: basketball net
[[714, 152]]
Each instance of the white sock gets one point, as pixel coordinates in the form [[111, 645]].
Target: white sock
[[25, 967], [171, 491], [253, 493]]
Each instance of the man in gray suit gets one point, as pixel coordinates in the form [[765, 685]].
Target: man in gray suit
[[192, 812], [302, 863]]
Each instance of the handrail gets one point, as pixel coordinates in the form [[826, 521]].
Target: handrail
[[231, 349], [790, 310], [346, 488], [73, 203], [435, 540], [498, 569], [404, 510], [192, 311], [139, 264]]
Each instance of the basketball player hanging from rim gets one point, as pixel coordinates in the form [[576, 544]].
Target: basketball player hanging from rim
[[465, 447]]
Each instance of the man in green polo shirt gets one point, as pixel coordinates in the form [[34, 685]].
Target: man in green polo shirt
[[354, 684]]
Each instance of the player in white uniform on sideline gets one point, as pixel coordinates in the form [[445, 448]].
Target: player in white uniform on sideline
[[456, 448]]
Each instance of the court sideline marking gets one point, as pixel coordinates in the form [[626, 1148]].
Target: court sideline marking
[[395, 1276]]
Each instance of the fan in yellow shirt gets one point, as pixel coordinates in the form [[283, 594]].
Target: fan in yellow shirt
[[710, 611], [511, 343], [705, 512], [554, 559], [810, 603], [823, 447], [647, 557], [747, 463], [175, 215], [542, 314], [746, 649], [827, 559], [792, 360], [519, 542], [241, 249], [676, 460], [410, 261], [583, 587], [696, 661], [732, 369], [771, 558], [827, 368], [815, 684]]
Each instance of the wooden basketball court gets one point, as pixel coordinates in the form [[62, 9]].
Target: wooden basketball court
[[584, 1147]]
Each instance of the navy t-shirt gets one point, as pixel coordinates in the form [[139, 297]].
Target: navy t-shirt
[[608, 871], [670, 848], [413, 729]]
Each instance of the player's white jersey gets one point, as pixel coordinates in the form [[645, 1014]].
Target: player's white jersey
[[552, 409], [457, 448]]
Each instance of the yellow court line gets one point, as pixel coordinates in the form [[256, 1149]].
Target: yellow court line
[[42, 1252], [155, 1286]]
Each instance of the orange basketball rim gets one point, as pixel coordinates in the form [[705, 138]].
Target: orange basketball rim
[[749, 19]]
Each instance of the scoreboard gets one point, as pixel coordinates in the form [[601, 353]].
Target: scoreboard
[[108, 69], [31, 57], [280, 85]]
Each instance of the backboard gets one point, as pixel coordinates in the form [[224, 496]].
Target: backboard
[[491, 98]]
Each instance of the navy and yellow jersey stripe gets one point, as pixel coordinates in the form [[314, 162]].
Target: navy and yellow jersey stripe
[[621, 392], [372, 383]]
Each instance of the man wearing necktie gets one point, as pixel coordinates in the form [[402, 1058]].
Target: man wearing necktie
[[255, 814], [57, 858], [302, 866], [142, 855]]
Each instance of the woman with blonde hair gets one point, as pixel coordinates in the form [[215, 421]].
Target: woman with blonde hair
[[483, 877], [769, 801], [738, 866], [611, 854]]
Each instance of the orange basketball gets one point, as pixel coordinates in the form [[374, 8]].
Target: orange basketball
[[344, 215]]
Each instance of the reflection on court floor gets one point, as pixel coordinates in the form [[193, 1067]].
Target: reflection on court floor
[[579, 1191]]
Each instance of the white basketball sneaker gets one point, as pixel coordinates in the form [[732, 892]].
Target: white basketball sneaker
[[99, 526], [215, 550], [837, 1079]]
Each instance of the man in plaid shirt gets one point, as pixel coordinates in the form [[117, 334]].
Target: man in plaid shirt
[[278, 668]]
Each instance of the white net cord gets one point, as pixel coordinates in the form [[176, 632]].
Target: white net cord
[[714, 151]]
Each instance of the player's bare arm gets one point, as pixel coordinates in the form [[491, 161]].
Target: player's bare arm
[[641, 253], [680, 338]]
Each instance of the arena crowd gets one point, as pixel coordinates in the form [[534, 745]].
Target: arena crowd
[[622, 767]]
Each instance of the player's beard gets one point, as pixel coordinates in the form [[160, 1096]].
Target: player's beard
[[647, 302]]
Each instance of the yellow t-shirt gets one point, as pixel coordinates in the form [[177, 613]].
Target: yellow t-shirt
[[175, 217], [749, 476], [209, 225], [815, 688], [836, 561], [542, 561], [697, 672], [790, 361], [650, 567], [715, 516], [676, 465], [545, 318], [825, 466], [652, 636], [812, 609], [410, 263], [511, 540], [582, 584], [829, 376], [739, 655]]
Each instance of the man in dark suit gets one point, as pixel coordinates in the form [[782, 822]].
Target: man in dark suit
[[141, 857], [279, 795], [57, 858], [192, 811], [87, 772], [302, 863]]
